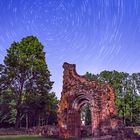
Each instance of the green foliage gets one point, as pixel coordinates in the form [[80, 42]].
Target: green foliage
[[24, 137], [91, 76], [86, 114], [25, 81], [127, 89]]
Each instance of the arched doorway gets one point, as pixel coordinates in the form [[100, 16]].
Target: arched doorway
[[81, 104], [86, 121], [77, 91]]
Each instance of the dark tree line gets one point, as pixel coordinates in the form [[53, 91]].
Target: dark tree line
[[26, 98], [25, 87], [127, 89]]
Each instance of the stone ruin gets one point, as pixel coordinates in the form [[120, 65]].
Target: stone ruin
[[77, 91]]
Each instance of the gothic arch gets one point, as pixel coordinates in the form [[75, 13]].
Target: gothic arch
[[78, 90]]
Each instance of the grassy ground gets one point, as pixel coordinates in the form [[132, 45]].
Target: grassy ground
[[29, 137], [23, 137]]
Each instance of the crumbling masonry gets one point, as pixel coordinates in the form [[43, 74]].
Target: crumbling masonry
[[77, 91]]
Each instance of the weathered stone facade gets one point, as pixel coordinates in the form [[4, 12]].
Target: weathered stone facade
[[78, 90]]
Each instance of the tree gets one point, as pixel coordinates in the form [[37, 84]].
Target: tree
[[127, 89], [91, 76], [25, 74]]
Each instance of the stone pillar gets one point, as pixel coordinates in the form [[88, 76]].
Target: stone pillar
[[95, 119]]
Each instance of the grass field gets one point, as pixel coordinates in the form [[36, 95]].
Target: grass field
[[24, 137]]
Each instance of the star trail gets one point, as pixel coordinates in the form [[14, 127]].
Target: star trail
[[93, 34]]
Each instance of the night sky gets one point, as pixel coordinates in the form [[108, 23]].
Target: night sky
[[95, 35]]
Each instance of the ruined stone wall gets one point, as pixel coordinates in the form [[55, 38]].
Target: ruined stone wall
[[78, 90]]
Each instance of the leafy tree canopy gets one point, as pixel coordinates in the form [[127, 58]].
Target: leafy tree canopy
[[26, 76]]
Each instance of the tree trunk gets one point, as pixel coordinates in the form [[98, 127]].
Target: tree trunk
[[17, 125], [27, 125], [39, 120]]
